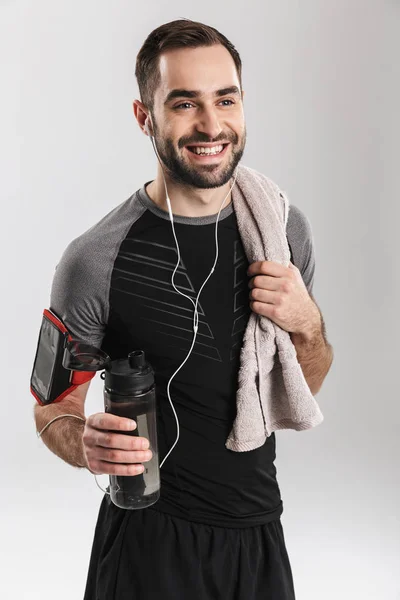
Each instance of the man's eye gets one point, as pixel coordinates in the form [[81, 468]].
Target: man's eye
[[188, 103], [179, 105]]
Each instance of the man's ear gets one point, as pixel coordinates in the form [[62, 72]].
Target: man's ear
[[140, 111]]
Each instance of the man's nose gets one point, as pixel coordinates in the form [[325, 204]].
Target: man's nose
[[209, 124]]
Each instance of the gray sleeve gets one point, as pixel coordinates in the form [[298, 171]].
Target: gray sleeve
[[81, 284], [300, 236], [77, 295]]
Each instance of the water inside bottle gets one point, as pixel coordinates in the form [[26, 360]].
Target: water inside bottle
[[142, 490]]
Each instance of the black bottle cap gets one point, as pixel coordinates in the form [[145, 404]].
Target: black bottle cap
[[132, 375]]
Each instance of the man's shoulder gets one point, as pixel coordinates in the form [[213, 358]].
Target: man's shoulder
[[298, 223], [300, 237], [81, 282], [109, 229]]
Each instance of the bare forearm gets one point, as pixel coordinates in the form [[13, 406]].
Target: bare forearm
[[64, 436], [314, 352], [315, 357]]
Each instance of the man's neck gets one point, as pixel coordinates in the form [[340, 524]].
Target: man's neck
[[190, 202]]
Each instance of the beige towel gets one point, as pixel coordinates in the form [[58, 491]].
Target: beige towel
[[272, 390]]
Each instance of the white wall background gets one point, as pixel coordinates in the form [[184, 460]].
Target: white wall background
[[322, 107]]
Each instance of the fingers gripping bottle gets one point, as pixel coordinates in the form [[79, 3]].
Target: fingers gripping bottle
[[129, 391]]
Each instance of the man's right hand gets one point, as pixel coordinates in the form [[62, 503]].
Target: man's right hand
[[108, 452]]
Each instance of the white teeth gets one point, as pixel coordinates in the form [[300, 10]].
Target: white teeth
[[213, 150]]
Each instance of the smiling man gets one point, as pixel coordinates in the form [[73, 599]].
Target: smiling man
[[215, 532], [198, 171]]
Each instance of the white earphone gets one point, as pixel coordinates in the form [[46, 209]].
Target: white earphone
[[148, 128]]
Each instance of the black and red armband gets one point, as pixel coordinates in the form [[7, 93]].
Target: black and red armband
[[50, 380]]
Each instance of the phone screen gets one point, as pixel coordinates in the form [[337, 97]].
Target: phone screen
[[50, 343]]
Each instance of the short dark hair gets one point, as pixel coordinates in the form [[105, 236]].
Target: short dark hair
[[182, 33]]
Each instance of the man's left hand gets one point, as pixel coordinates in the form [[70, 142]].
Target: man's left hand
[[279, 293]]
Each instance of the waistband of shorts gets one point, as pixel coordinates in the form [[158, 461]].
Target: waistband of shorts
[[225, 521]]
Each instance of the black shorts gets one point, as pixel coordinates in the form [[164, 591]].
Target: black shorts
[[149, 555]]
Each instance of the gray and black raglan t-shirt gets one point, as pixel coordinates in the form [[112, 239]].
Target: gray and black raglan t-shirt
[[112, 288]]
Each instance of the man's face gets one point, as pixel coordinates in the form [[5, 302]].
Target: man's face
[[186, 120]]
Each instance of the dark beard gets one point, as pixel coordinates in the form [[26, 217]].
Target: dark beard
[[185, 174]]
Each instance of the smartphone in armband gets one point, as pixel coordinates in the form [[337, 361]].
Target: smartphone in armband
[[50, 380]]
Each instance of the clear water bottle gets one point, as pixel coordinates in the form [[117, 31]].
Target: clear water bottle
[[129, 391]]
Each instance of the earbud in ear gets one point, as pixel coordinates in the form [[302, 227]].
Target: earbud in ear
[[147, 127]]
